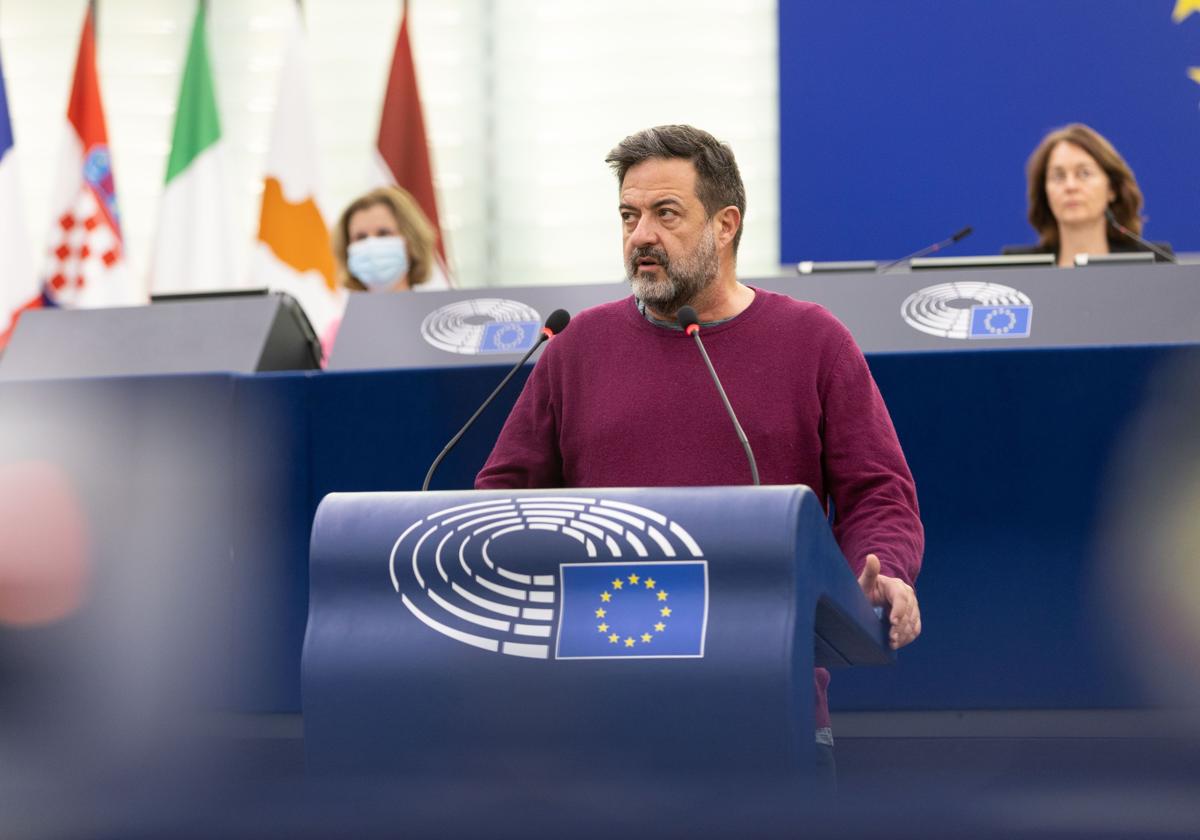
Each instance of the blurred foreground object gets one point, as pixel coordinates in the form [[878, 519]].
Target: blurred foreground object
[[44, 562], [1152, 547]]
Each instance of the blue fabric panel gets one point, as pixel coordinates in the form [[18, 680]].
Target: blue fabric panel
[[902, 122]]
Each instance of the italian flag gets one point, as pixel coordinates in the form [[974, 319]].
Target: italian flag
[[192, 248]]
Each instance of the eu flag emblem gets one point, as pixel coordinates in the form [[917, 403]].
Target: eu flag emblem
[[508, 336], [620, 610], [1004, 321]]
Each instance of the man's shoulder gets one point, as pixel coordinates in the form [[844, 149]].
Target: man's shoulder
[[589, 326], [599, 317], [813, 317]]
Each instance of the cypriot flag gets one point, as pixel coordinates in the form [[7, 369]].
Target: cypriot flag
[[192, 250], [293, 252]]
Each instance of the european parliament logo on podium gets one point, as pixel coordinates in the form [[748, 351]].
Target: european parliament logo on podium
[[620, 581]]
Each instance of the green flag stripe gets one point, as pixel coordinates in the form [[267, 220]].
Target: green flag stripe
[[196, 123]]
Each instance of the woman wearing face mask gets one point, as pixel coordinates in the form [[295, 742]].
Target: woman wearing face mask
[[382, 242], [1081, 193]]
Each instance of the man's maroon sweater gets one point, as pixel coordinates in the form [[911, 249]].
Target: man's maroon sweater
[[616, 401]]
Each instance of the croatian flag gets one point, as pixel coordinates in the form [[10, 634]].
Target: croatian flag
[[84, 260]]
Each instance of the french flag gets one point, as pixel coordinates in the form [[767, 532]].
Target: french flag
[[19, 287]]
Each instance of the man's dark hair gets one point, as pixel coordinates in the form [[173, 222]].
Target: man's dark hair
[[718, 181]]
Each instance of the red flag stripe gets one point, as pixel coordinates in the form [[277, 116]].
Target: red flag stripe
[[85, 110], [402, 141]]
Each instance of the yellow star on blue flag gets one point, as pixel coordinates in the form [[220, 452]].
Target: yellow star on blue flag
[[668, 619], [1183, 8]]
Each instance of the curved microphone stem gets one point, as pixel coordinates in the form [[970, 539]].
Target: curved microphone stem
[[927, 250], [1145, 243], [542, 339], [729, 408]]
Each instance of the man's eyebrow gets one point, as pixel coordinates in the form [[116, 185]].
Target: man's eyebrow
[[660, 203]]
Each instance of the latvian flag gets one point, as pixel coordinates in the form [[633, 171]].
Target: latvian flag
[[402, 150]]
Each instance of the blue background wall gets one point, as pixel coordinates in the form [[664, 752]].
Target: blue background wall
[[903, 121]]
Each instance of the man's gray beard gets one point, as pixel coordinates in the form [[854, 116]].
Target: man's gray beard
[[681, 281]]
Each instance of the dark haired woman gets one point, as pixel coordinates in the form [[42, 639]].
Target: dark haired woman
[[1081, 194]]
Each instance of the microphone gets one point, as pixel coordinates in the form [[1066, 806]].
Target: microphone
[[1145, 243], [556, 323], [929, 249], [690, 321]]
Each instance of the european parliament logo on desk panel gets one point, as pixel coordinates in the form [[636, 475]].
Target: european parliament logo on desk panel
[[969, 310], [482, 326], [626, 581]]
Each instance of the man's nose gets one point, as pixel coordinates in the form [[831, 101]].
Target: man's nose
[[645, 233]]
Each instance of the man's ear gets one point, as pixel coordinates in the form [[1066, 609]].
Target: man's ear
[[729, 221]]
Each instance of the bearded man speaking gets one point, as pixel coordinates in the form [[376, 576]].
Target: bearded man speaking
[[621, 400]]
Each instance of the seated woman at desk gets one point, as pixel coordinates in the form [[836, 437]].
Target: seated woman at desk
[[382, 242], [1081, 193]]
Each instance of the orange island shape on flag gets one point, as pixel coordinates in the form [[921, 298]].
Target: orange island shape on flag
[[295, 233]]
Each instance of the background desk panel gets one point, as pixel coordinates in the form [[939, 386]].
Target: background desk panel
[[210, 481]]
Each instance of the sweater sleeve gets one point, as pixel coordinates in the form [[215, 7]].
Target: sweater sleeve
[[526, 454], [866, 475]]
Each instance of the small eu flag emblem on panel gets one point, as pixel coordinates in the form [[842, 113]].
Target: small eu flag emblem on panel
[[1006, 321], [508, 336], [632, 610]]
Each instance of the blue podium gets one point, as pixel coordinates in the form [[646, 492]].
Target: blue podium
[[632, 634]]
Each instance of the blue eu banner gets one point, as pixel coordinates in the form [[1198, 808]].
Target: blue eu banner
[[620, 610], [508, 336], [1006, 321]]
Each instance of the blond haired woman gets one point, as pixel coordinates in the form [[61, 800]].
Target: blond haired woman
[[383, 242]]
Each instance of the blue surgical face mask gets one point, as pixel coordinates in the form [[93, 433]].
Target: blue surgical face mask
[[378, 261]]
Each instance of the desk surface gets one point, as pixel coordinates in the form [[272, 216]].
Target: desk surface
[[946, 310]]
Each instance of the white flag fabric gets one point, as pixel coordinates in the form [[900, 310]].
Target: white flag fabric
[[192, 249], [18, 281], [293, 252]]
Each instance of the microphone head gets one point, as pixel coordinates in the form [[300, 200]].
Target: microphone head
[[557, 322], [688, 319], [962, 234], [1112, 219]]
